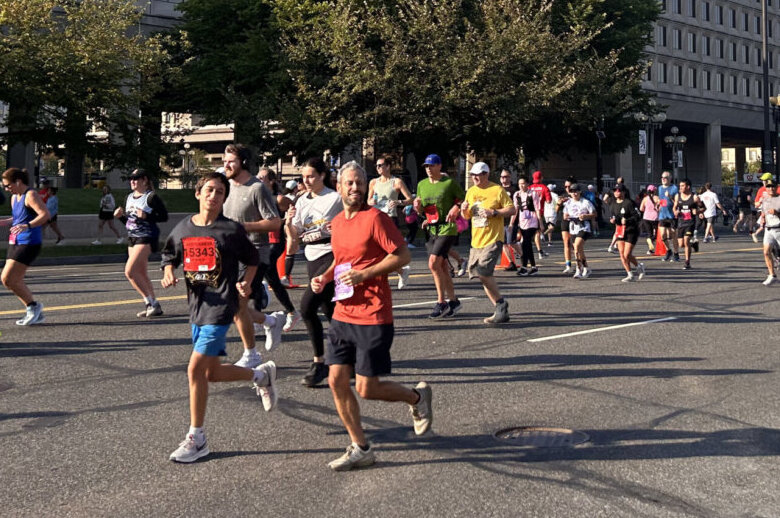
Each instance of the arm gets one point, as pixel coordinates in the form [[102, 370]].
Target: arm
[[401, 186], [266, 207], [391, 263], [169, 276], [264, 225], [319, 282], [371, 200], [159, 212], [291, 231], [674, 207]]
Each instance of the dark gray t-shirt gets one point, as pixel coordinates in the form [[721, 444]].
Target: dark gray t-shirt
[[210, 257], [252, 202]]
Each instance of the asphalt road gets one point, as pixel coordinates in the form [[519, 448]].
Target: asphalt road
[[682, 414]]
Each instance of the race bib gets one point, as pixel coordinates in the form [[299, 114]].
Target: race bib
[[620, 231], [686, 216], [200, 254], [11, 238], [341, 291], [476, 220], [431, 214], [663, 203]]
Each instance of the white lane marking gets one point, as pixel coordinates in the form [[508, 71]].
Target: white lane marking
[[425, 303], [599, 329]]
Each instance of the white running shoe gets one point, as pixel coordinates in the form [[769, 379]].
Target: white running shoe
[[290, 320], [250, 359], [259, 329], [268, 393], [422, 412], [628, 278], [586, 273], [273, 334], [567, 269], [353, 458], [97, 242], [462, 268], [403, 277], [189, 451], [577, 274], [34, 315], [119, 240], [769, 280], [640, 270], [410, 246], [61, 242], [155, 310]]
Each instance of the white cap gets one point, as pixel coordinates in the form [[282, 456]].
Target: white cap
[[551, 186], [479, 167], [291, 184], [590, 187]]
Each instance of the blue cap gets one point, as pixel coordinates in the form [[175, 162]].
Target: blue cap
[[432, 160]]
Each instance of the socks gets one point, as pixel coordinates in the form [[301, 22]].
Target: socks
[[32, 304], [149, 301], [198, 434]]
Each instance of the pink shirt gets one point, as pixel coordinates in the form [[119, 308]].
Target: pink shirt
[[526, 215], [651, 213]]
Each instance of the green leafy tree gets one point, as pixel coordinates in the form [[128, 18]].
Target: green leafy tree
[[77, 72]]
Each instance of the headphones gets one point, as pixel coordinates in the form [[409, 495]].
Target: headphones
[[245, 155]]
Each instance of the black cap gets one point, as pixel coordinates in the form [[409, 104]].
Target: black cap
[[575, 187]]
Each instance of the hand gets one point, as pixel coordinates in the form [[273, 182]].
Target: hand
[[453, 214], [485, 213], [392, 204], [622, 221], [16, 229], [351, 277], [244, 289], [317, 284], [290, 215], [464, 206], [169, 279], [581, 217], [424, 224], [119, 212], [612, 220], [140, 214]]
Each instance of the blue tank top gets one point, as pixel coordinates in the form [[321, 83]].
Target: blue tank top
[[24, 215], [666, 201]]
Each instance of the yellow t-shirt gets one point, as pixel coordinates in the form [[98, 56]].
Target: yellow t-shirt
[[486, 231]]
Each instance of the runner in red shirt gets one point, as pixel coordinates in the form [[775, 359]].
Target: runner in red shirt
[[366, 247], [544, 195]]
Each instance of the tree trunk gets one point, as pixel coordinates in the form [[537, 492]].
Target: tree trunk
[[75, 144]]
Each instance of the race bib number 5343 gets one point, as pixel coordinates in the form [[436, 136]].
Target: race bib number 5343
[[200, 254]]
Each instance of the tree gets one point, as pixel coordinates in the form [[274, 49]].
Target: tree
[[75, 71], [493, 75]]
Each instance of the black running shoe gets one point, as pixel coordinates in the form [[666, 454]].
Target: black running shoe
[[454, 306], [318, 372], [511, 268], [522, 272], [695, 246], [687, 266], [441, 309]]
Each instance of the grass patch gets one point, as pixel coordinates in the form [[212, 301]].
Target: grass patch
[[87, 201]]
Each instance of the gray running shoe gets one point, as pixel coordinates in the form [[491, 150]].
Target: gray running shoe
[[640, 270], [34, 315], [318, 372], [441, 309], [500, 316], [268, 393], [353, 458], [152, 310], [189, 451], [403, 277], [273, 334], [422, 412]]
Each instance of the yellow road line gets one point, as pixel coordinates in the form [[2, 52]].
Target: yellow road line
[[92, 305]]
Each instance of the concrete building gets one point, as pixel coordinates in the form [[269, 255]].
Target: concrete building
[[705, 68]]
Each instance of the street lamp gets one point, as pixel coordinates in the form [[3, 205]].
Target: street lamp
[[766, 153], [600, 135], [676, 143], [186, 158], [775, 102], [651, 123]]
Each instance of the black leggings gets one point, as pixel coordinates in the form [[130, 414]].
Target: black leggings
[[311, 302], [272, 276], [527, 245]]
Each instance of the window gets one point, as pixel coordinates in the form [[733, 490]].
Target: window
[[691, 42], [662, 73], [662, 35], [734, 85], [705, 11], [719, 86], [677, 75], [676, 39], [677, 4], [758, 85], [692, 78], [719, 14], [745, 54], [745, 22], [705, 45], [770, 60], [733, 49], [691, 8], [746, 87], [732, 18], [757, 25], [706, 77], [719, 49], [769, 27]]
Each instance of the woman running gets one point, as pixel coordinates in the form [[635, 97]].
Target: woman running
[[526, 219], [649, 223], [626, 218], [579, 213], [106, 216], [142, 211], [308, 222], [28, 214]]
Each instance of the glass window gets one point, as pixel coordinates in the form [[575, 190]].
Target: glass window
[[662, 72], [692, 78], [719, 14], [691, 8], [691, 42], [676, 39], [705, 11], [705, 45]]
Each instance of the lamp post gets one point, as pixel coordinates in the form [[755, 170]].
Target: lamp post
[[775, 102], [600, 135], [676, 142], [651, 123], [186, 157], [766, 153]]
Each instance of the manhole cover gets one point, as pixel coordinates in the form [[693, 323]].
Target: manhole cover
[[542, 437]]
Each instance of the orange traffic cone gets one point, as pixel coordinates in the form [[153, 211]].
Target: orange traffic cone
[[505, 262], [280, 270], [660, 247]]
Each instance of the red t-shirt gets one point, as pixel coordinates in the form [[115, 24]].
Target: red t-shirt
[[364, 241], [542, 191]]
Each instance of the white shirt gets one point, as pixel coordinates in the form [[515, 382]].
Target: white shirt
[[711, 202], [313, 215], [576, 208]]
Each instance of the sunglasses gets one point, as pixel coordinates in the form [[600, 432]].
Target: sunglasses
[[381, 165]]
